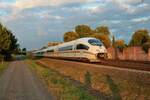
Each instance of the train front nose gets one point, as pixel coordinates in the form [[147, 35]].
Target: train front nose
[[101, 55], [101, 52]]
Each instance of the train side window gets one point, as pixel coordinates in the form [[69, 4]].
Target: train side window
[[66, 48], [82, 46], [95, 42], [40, 52], [50, 50]]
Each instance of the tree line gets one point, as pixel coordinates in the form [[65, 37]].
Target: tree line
[[140, 37], [8, 43]]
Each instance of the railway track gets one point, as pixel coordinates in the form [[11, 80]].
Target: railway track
[[137, 65]]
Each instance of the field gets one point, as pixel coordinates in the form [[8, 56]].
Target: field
[[59, 86], [116, 83]]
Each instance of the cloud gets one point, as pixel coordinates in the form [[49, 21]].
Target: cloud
[[24, 4], [95, 8], [125, 1], [39, 21], [141, 19], [41, 32], [47, 15], [130, 6]]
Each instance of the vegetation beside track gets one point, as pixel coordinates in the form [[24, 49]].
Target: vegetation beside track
[[129, 85], [3, 66], [59, 86]]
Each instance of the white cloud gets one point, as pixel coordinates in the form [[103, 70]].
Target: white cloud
[[99, 8], [141, 19], [132, 9], [41, 32], [115, 21], [130, 6], [23, 4], [125, 1], [4, 5]]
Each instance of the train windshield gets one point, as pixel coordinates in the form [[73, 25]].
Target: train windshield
[[95, 42]]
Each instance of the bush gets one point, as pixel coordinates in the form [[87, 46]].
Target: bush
[[1, 57], [87, 80], [121, 48], [146, 46], [114, 88]]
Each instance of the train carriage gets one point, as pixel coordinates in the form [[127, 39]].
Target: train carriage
[[87, 49]]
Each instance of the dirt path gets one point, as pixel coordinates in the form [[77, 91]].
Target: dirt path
[[19, 83]]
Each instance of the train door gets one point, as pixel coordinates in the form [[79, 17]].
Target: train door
[[74, 50], [80, 49]]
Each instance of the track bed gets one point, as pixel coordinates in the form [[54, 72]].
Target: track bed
[[137, 65]]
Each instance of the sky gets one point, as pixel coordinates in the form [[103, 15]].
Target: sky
[[36, 22]]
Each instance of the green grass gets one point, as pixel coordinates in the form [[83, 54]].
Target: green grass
[[59, 86], [114, 88], [3, 66]]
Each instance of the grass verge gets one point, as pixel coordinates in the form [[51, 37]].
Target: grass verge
[[59, 86], [3, 67]]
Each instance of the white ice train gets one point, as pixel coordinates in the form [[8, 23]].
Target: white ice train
[[84, 49]]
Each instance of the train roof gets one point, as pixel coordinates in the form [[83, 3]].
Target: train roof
[[84, 39], [80, 39], [51, 47], [74, 41], [42, 50], [66, 44]]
